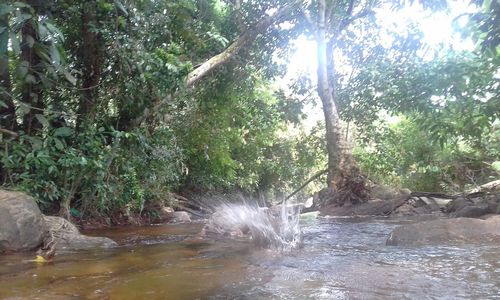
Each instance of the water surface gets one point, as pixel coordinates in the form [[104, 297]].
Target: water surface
[[340, 259]]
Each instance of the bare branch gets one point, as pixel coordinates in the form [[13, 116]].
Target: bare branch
[[9, 132]]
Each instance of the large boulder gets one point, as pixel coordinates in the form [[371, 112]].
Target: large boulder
[[22, 225], [67, 237], [446, 231]]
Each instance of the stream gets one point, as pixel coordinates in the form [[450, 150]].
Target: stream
[[341, 258]]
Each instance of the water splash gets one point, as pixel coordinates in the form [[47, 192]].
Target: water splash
[[276, 227]]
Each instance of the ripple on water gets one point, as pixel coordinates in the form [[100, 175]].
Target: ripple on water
[[340, 259]]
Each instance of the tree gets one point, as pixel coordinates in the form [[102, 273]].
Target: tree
[[326, 21], [7, 109]]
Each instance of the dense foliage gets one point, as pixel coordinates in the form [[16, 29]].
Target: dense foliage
[[96, 116]]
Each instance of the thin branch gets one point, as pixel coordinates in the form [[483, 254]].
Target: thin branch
[[309, 22], [365, 12], [331, 9], [47, 110], [315, 176], [9, 132]]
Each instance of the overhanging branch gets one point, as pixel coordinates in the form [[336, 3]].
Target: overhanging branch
[[244, 40]]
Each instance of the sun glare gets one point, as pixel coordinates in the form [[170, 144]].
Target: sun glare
[[437, 29]]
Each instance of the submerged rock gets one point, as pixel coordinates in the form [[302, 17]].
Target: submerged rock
[[68, 238], [22, 225], [446, 231]]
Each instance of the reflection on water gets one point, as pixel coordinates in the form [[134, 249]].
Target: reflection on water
[[341, 259]]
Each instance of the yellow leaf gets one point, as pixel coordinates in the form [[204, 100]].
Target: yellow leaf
[[40, 259]]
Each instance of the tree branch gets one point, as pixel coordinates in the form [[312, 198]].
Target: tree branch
[[348, 21], [205, 68], [9, 132], [244, 40], [309, 21], [315, 176]]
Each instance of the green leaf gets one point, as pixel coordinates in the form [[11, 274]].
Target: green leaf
[[496, 166], [5, 9], [21, 5], [42, 120], [36, 143], [3, 104], [14, 43], [63, 131], [22, 18], [69, 77], [59, 145], [43, 32], [74, 212], [120, 6], [54, 54], [41, 51]]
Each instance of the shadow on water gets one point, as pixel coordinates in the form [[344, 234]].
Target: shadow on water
[[340, 259]]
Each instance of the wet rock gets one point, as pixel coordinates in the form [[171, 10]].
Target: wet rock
[[68, 238], [22, 226], [370, 208], [180, 217], [474, 207], [384, 192], [446, 231], [457, 204], [415, 206], [472, 212]]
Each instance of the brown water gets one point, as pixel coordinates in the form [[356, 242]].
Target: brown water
[[341, 259]]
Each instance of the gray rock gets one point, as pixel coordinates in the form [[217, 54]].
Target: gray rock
[[384, 192], [472, 212], [457, 204], [22, 226], [180, 217], [68, 238], [370, 208], [447, 231]]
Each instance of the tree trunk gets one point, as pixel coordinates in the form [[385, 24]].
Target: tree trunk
[[339, 163], [90, 52], [7, 108], [32, 90]]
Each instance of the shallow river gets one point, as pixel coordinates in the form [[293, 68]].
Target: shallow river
[[341, 259]]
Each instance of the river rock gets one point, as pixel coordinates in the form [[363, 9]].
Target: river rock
[[474, 207], [68, 238], [370, 208], [446, 231], [180, 217], [385, 192], [22, 226]]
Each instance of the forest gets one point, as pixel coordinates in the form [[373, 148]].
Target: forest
[[112, 106]]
